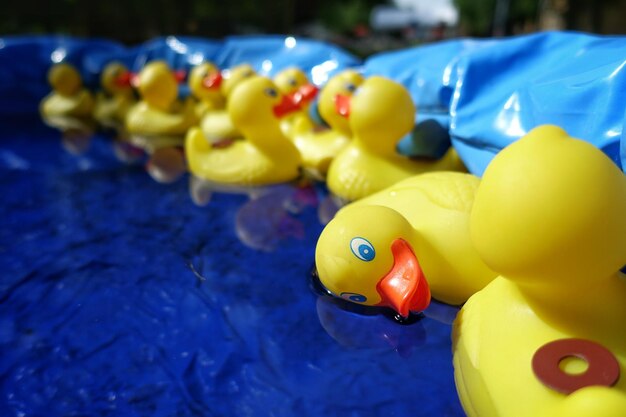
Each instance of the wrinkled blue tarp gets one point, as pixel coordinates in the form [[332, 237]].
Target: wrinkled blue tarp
[[489, 93]]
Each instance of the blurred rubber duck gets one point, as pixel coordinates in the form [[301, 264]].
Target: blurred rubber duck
[[216, 124], [320, 146], [546, 337], [68, 97], [159, 120], [117, 97], [380, 114], [68, 108], [397, 246], [293, 81], [204, 82], [266, 156]]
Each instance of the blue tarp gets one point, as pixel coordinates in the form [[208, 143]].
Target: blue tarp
[[489, 93]]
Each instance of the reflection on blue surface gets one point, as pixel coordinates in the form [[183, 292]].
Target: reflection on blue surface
[[120, 296]]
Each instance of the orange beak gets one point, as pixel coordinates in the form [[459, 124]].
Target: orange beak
[[286, 106], [342, 105], [305, 94], [404, 288], [180, 75], [124, 79], [212, 81]]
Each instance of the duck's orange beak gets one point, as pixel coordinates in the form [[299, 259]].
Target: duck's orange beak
[[404, 288], [342, 105], [180, 75], [124, 79], [305, 94], [286, 106], [213, 81]]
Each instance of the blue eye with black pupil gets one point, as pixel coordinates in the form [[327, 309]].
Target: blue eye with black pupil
[[352, 296], [362, 249]]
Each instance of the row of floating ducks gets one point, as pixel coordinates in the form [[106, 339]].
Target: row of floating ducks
[[244, 129], [532, 250]]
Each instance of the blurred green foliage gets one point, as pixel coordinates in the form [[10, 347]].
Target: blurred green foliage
[[132, 21], [477, 15]]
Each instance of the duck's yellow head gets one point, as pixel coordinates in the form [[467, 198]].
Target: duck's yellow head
[[115, 78], [551, 208], [334, 96], [381, 111], [158, 85], [365, 255], [65, 79], [256, 105], [293, 81], [234, 76], [205, 81], [290, 80]]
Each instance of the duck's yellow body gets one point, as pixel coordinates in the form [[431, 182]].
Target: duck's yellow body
[[430, 212], [116, 99], [549, 217], [266, 156], [68, 98], [380, 115], [159, 120], [319, 147]]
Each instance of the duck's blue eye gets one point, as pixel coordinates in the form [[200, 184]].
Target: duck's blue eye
[[362, 249], [350, 87], [352, 296]]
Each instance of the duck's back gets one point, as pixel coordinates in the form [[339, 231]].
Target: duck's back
[[442, 190], [495, 337]]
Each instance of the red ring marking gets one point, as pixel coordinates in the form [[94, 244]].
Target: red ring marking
[[603, 367]]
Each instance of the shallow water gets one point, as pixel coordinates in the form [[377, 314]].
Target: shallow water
[[119, 296]]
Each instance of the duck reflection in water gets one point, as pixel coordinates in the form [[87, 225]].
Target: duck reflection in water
[[268, 217], [355, 327]]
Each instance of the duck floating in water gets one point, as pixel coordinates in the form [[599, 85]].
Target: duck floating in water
[[216, 124], [158, 122], [320, 146], [293, 81], [266, 156], [69, 105], [397, 246], [380, 114], [158, 119], [69, 108], [117, 97], [204, 82], [546, 338]]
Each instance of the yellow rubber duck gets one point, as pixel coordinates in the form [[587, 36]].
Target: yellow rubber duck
[[320, 146], [546, 338], [266, 156], [380, 114], [158, 120], [293, 81], [116, 99], [204, 82], [217, 125], [69, 104], [391, 247]]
